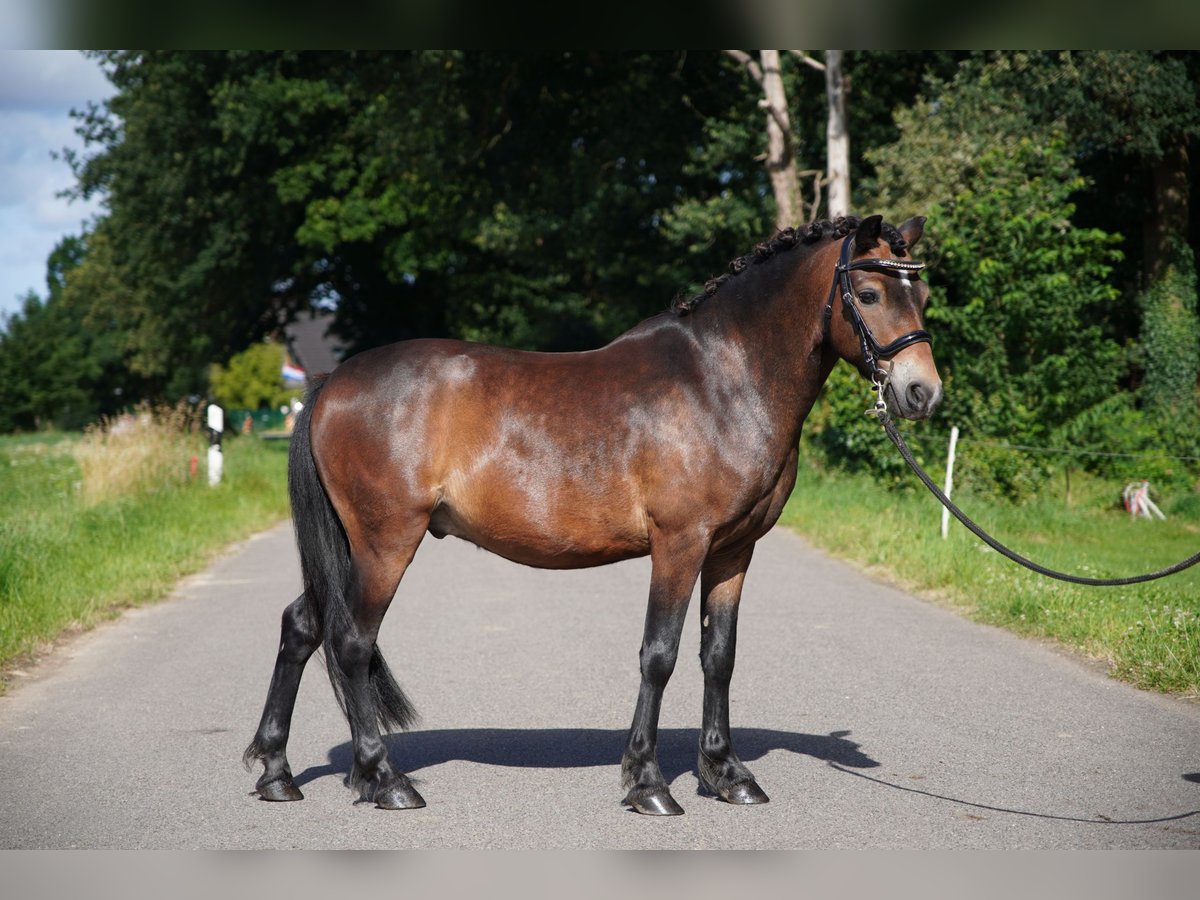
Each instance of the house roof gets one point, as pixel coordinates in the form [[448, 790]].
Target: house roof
[[315, 350]]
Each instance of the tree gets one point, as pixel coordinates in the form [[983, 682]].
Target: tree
[[1020, 295], [837, 137], [781, 156], [1133, 120], [56, 368], [252, 379], [1122, 108], [195, 257], [508, 197], [38, 352]]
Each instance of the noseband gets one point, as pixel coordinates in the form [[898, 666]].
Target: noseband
[[872, 350]]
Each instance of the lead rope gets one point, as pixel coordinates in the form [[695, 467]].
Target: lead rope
[[880, 411]]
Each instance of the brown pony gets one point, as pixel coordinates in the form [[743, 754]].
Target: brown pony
[[677, 440]]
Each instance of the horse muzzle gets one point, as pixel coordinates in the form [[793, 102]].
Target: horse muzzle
[[913, 391]]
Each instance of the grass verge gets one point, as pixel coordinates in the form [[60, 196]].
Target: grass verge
[[1147, 634], [75, 551]]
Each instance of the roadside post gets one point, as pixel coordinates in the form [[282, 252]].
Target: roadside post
[[949, 480], [216, 427]]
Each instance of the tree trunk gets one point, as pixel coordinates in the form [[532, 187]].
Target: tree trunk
[[837, 137], [781, 155], [1167, 219]]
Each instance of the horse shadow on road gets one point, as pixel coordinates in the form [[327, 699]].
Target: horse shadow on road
[[573, 748]]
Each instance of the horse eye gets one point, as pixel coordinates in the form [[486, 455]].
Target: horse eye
[[869, 296]]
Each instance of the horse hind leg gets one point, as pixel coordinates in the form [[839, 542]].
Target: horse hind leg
[[299, 638], [366, 689]]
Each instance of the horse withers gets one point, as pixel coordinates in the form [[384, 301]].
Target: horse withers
[[679, 440]]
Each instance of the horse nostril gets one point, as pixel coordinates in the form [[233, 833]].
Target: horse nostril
[[917, 394]]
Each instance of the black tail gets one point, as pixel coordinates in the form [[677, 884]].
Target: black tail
[[325, 567]]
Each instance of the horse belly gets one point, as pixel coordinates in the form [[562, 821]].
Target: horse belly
[[553, 527]]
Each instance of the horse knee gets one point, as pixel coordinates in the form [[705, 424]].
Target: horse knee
[[658, 662], [717, 663]]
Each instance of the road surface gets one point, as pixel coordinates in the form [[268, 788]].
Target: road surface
[[871, 718]]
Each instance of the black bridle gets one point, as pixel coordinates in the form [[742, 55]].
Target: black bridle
[[872, 350]]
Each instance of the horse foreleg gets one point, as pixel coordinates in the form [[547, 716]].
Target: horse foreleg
[[675, 569], [299, 637], [720, 592]]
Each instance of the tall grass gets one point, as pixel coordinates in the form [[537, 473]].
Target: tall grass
[[147, 450], [94, 523], [1146, 634]]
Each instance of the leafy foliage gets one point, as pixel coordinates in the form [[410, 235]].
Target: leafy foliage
[[1019, 294], [57, 368], [1170, 344], [506, 197], [1135, 103], [1156, 428], [251, 380], [39, 384]]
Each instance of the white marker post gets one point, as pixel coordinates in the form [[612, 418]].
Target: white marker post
[[949, 480], [216, 426]]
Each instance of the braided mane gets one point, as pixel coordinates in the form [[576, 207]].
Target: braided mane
[[786, 239]]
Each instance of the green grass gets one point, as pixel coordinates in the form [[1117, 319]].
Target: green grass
[[67, 562], [1148, 635]]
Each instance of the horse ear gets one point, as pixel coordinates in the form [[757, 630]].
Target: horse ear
[[912, 230], [868, 232]]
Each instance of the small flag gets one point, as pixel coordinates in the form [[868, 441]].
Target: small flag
[[292, 372]]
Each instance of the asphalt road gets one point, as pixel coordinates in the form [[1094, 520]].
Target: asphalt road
[[872, 719]]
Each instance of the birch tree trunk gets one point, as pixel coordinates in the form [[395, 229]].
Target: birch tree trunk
[[781, 156], [1167, 213], [837, 137]]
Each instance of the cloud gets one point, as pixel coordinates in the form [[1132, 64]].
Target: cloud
[[30, 176], [38, 90], [49, 80]]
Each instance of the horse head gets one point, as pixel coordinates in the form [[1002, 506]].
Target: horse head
[[878, 324]]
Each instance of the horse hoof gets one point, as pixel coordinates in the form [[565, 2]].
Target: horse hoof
[[280, 790], [745, 793], [401, 795], [654, 803]]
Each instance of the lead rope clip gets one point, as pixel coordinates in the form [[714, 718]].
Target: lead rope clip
[[879, 379]]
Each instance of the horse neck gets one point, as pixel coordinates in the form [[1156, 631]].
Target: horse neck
[[775, 315]]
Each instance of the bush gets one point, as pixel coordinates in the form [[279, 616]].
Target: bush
[[1135, 443], [1186, 507], [1169, 346], [252, 379]]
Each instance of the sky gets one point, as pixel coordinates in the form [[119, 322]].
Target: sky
[[38, 90]]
